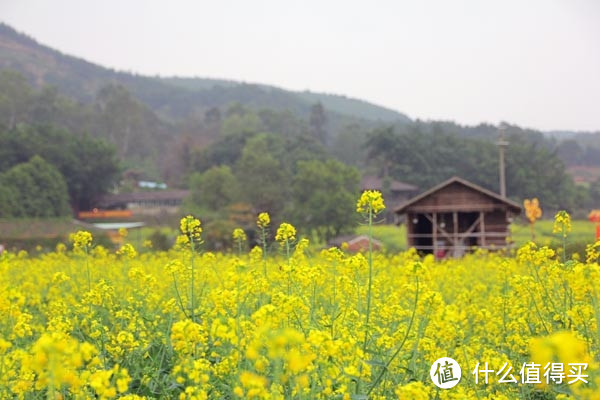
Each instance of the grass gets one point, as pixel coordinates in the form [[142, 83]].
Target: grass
[[26, 228], [583, 232], [392, 237]]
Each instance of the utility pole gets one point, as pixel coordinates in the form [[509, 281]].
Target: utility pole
[[502, 149]]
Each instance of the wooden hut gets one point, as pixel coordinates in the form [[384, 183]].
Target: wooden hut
[[456, 216]]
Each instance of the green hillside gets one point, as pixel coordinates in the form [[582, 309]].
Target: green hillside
[[171, 97]]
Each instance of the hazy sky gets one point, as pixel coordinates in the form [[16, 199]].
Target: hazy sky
[[534, 63]]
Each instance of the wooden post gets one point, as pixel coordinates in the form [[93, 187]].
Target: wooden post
[[434, 229], [455, 225], [482, 227], [502, 147], [409, 230]]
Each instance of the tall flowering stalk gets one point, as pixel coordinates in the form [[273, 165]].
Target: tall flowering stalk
[[191, 230], [562, 225], [239, 237], [82, 240], [263, 222], [286, 234], [369, 205]]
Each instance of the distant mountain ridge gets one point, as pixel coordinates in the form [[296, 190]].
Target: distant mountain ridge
[[172, 97]]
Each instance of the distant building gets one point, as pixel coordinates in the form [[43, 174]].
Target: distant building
[[456, 216], [394, 192], [147, 203], [355, 243], [152, 185]]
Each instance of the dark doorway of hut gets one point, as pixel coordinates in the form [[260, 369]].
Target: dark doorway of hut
[[455, 233]]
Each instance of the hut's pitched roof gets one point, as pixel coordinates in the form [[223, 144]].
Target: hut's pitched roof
[[455, 179]]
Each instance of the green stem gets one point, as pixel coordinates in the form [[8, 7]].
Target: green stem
[[287, 252], [370, 278], [89, 274], [412, 319], [192, 280], [87, 266], [264, 244], [333, 303], [368, 291], [537, 310], [564, 247], [237, 324], [179, 296], [594, 297], [468, 363]]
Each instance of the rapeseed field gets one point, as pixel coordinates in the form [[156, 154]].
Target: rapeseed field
[[85, 323]]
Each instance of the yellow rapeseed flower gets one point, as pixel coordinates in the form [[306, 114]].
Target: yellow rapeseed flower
[[562, 223], [239, 235], [127, 250], [285, 233], [191, 227], [187, 336], [370, 201], [81, 239], [263, 220]]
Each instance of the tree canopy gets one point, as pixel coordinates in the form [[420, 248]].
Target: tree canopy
[[33, 189], [428, 159], [88, 166]]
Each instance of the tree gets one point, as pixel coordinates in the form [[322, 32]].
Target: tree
[[212, 116], [285, 122], [428, 158], [383, 147], [262, 177], [214, 189], [89, 166], [324, 197], [570, 152], [302, 148], [40, 189], [15, 98], [130, 125], [349, 146], [226, 151], [9, 200], [594, 194], [240, 121], [95, 170], [317, 123]]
